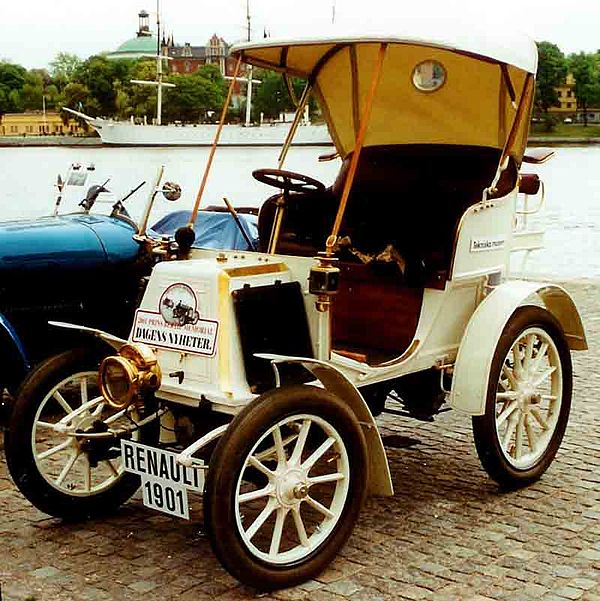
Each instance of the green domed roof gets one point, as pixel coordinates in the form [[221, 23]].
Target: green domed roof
[[135, 47]]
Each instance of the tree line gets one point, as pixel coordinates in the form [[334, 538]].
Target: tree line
[[101, 87], [553, 67]]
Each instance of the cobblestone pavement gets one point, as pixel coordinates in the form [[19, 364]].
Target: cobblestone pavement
[[448, 534]]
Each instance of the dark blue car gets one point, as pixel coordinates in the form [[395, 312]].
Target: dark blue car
[[87, 269]]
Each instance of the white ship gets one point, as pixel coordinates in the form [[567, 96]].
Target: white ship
[[127, 133]]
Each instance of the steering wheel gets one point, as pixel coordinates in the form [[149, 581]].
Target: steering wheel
[[288, 180]]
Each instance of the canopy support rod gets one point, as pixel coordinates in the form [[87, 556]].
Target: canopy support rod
[[360, 139], [297, 118], [215, 143], [509, 84], [528, 89], [280, 161], [290, 89]]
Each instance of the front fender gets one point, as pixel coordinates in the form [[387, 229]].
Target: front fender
[[380, 480], [476, 351], [111, 340], [15, 363]]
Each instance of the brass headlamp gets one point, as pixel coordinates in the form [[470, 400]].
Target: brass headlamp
[[125, 377]]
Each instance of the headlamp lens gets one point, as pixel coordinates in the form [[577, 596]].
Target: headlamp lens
[[116, 381]]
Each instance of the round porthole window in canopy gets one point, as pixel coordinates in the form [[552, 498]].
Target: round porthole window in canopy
[[429, 76]]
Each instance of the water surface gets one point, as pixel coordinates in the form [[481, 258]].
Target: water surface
[[571, 216]]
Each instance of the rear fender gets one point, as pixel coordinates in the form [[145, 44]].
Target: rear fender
[[477, 348], [380, 481], [15, 363]]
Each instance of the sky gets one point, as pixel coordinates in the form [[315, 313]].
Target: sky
[[32, 32]]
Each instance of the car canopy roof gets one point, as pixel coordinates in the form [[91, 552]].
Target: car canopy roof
[[488, 73]]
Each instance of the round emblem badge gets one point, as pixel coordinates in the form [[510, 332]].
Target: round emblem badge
[[178, 305]]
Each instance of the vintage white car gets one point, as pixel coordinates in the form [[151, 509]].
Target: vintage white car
[[255, 377]]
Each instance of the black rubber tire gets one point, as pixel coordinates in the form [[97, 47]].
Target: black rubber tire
[[19, 451], [484, 427], [224, 471]]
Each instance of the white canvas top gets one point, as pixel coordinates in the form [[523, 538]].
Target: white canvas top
[[491, 41]]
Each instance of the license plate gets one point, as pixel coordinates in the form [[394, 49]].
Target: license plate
[[165, 483]]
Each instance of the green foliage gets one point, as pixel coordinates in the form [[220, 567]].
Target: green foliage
[[64, 66], [142, 99], [551, 72], [586, 72], [194, 95], [12, 79], [99, 75], [271, 97]]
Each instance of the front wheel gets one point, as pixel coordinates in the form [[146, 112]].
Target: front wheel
[[59, 471], [285, 487], [528, 399]]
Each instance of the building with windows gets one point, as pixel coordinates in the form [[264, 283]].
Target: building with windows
[[567, 107], [37, 124], [184, 59]]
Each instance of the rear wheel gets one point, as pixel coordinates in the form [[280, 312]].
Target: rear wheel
[[528, 400], [62, 474], [285, 487]]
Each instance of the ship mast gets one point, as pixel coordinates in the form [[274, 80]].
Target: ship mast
[[249, 84], [159, 83], [159, 72]]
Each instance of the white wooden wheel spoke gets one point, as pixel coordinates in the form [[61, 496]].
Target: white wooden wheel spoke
[[300, 442], [67, 468], [111, 467], [320, 508], [531, 338], [549, 397], [335, 477], [279, 447], [99, 409], [543, 377], [255, 463], [277, 531], [316, 455], [256, 494], [56, 449], [542, 351], [509, 395], [62, 402], [83, 390], [262, 517], [42, 424], [517, 360], [87, 474], [519, 434], [532, 438], [539, 418], [271, 452], [506, 412], [300, 527], [115, 417], [510, 430], [508, 372]]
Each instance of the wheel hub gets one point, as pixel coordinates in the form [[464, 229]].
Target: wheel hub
[[291, 487]]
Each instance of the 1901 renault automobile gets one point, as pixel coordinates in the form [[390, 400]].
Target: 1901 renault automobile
[[255, 377]]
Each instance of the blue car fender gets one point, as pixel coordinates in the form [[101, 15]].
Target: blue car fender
[[14, 363]]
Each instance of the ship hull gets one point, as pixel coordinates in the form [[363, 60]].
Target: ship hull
[[128, 134]]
